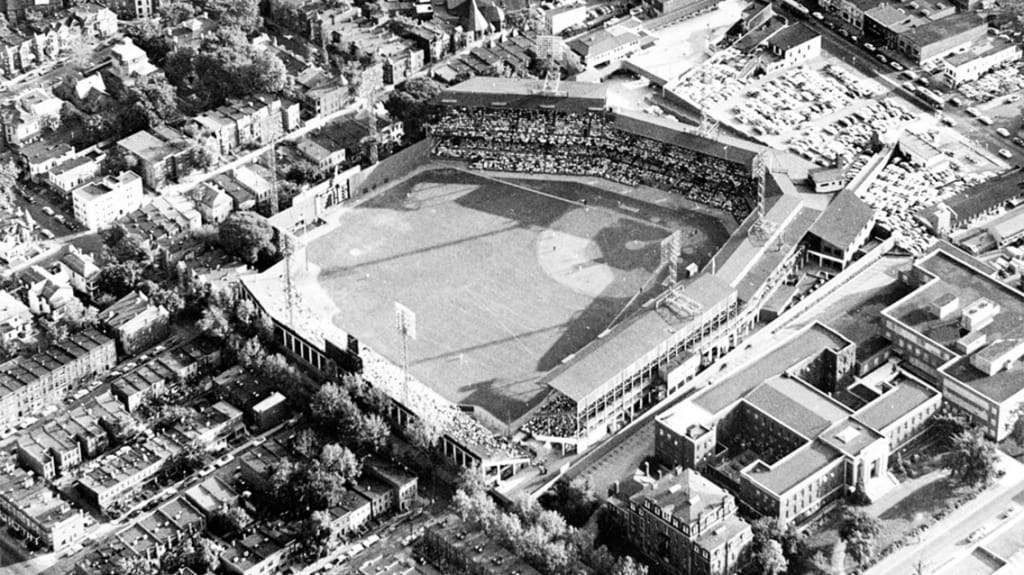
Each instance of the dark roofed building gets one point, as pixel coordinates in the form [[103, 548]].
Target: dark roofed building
[[486, 92], [841, 230], [684, 523]]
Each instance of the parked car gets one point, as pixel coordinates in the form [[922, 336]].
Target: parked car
[[1003, 132], [48, 211], [1005, 153]]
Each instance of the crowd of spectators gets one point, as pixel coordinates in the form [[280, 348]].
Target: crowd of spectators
[[589, 145], [556, 418]]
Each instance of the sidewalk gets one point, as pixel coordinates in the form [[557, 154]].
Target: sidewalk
[[937, 545]]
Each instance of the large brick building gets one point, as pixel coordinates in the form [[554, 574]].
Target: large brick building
[[684, 523]]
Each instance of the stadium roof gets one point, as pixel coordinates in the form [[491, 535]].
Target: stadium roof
[[605, 358], [513, 93], [843, 220], [667, 130]]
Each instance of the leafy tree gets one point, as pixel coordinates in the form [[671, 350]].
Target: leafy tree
[[305, 443], [423, 434], [770, 559], [174, 13], [196, 553], [247, 235], [228, 520], [315, 537], [215, 322], [117, 280], [859, 530], [973, 460], [574, 500], [127, 247], [1017, 433], [181, 465], [148, 35], [629, 566], [411, 103], [340, 460], [252, 355], [9, 174], [115, 162], [244, 14], [372, 432]]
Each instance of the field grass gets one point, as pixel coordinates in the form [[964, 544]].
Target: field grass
[[506, 282]]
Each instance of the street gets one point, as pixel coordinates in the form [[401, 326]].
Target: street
[[946, 541]]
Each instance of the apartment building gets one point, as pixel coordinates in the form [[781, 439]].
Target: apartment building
[[100, 203], [162, 154], [29, 506]]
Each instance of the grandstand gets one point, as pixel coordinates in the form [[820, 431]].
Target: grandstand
[[605, 377]]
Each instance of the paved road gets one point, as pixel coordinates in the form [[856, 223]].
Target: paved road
[[945, 542]]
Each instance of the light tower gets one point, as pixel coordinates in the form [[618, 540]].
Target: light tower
[[709, 127], [373, 138], [761, 230]]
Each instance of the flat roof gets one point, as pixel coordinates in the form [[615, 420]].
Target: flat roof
[[1005, 384], [809, 342], [908, 395], [953, 275], [491, 92], [794, 468], [931, 32]]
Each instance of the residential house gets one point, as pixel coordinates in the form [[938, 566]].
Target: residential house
[[136, 322], [15, 318], [76, 171], [81, 270], [26, 118]]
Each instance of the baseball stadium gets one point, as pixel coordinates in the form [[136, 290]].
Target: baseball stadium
[[553, 269]]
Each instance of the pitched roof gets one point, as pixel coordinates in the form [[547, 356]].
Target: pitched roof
[[844, 218]]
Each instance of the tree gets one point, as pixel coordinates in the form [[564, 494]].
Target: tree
[[1018, 426], [340, 460], [247, 235], [125, 247], [9, 174], [115, 161], [228, 520], [315, 537], [174, 13], [574, 500], [770, 559], [244, 14], [181, 465], [412, 104], [372, 432], [117, 280], [859, 530], [973, 460], [305, 443], [629, 566], [196, 553], [423, 434]]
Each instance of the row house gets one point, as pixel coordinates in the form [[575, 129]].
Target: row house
[[30, 507], [242, 124], [29, 383]]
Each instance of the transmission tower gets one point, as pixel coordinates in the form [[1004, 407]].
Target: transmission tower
[[761, 230]]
